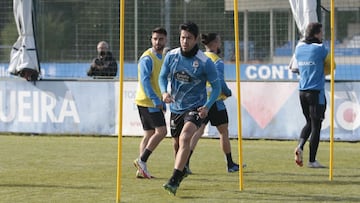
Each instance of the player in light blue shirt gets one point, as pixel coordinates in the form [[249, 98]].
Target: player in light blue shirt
[[188, 70], [311, 58]]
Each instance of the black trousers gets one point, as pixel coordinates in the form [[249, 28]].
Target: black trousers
[[314, 114]]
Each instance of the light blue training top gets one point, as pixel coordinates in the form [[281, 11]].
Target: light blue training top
[[188, 76], [310, 59]]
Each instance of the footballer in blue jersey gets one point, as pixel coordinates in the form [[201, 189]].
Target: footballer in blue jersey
[[188, 76], [188, 70], [311, 56]]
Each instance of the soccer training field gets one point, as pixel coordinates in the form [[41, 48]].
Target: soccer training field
[[83, 169]]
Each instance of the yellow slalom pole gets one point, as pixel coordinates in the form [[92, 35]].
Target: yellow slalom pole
[[332, 48], [121, 80], [237, 59]]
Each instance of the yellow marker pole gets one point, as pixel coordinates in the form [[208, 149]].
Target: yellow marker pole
[[332, 47], [121, 79], [237, 59]]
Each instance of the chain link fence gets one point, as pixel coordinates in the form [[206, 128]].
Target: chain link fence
[[68, 31]]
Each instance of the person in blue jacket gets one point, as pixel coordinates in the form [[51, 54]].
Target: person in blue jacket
[[312, 60], [188, 70]]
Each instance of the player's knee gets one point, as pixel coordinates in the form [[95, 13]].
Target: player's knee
[[185, 138], [162, 131]]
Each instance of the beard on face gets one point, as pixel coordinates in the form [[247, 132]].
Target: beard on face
[[218, 51], [187, 48], [102, 53], [159, 47], [190, 53]]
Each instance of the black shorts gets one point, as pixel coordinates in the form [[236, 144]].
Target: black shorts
[[177, 121], [216, 117], [151, 118]]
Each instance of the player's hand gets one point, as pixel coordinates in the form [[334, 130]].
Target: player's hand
[[203, 112], [162, 106], [166, 97], [228, 93]]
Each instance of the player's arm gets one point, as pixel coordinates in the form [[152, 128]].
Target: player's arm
[[293, 65], [220, 69], [212, 77], [163, 80], [145, 79]]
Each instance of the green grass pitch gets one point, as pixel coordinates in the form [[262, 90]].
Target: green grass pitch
[[83, 169]]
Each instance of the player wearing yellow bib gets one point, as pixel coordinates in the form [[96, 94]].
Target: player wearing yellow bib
[[148, 100], [217, 114]]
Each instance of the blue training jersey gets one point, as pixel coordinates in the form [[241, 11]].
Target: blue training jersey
[[310, 60], [188, 76]]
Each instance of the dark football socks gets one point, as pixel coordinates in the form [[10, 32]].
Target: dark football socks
[[145, 155]]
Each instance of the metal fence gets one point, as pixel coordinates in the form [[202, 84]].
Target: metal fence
[[68, 31]]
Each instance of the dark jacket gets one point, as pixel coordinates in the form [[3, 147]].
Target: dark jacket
[[103, 66]]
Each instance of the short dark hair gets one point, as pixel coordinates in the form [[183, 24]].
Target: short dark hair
[[160, 30], [207, 38], [312, 29], [190, 27]]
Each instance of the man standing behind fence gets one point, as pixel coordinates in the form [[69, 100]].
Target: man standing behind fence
[[104, 64], [148, 100]]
